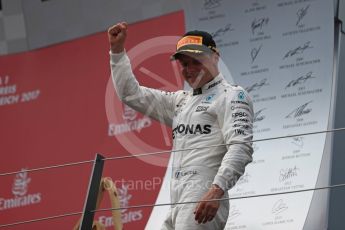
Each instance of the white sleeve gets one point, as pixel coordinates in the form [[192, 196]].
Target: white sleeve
[[159, 105], [236, 122]]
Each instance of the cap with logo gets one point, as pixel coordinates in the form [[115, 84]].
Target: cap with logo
[[195, 41]]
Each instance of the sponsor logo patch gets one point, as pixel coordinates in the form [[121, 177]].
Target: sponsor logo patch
[[239, 114], [240, 95], [214, 84], [239, 102], [191, 129], [240, 107], [240, 132], [189, 40], [201, 108], [185, 173], [208, 99]]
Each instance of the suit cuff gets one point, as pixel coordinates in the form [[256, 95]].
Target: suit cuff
[[116, 57], [222, 182]]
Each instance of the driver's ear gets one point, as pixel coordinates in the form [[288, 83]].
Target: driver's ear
[[215, 57]]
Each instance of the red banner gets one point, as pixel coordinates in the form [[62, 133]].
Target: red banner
[[58, 106]]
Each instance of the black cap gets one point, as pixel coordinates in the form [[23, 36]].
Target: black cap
[[195, 41]]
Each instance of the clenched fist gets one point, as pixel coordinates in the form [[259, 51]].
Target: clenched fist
[[117, 37]]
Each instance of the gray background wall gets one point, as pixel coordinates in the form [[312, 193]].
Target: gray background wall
[[337, 196], [31, 24]]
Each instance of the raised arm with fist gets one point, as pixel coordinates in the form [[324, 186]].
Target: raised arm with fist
[[117, 36]]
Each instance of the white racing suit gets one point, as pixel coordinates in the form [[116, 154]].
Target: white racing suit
[[216, 114]]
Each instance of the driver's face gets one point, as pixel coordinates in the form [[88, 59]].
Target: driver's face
[[196, 68]]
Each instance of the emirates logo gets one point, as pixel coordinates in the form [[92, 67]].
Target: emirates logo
[[21, 197]]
